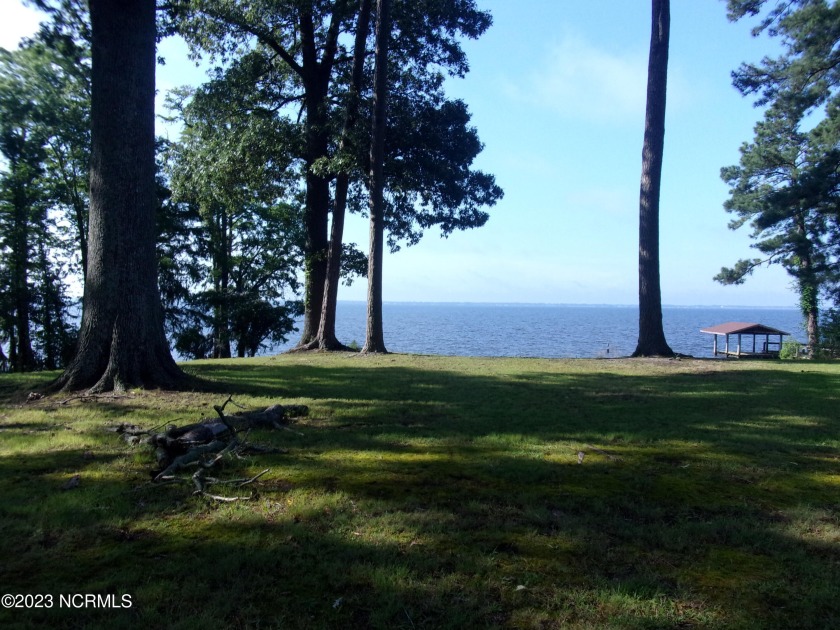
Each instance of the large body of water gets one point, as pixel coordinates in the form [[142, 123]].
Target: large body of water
[[543, 330]]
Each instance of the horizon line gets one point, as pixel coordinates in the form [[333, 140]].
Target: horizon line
[[589, 304]]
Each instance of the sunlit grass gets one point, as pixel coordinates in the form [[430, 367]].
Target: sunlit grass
[[444, 492]]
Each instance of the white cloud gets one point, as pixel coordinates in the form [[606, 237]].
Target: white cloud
[[581, 81]]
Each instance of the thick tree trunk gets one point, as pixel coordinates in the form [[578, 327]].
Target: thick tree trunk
[[315, 257], [809, 291], [316, 77], [375, 339], [326, 339], [651, 333], [812, 328], [316, 213], [121, 341]]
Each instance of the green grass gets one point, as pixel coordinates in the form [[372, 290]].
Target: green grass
[[434, 492]]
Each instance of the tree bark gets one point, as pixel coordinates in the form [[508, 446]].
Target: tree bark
[[316, 79], [23, 355], [651, 333], [221, 273], [375, 339], [326, 339], [121, 341], [316, 223], [809, 287]]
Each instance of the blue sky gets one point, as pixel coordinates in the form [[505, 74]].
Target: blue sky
[[557, 92]]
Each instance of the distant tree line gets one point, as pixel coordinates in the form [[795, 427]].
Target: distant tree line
[[786, 187]]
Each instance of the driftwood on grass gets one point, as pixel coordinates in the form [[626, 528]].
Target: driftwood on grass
[[206, 443], [581, 454]]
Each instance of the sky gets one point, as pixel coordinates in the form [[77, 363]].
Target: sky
[[557, 93]]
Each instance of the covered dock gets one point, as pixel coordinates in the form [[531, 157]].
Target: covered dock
[[750, 340]]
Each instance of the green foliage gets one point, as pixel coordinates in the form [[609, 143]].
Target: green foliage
[[430, 144], [232, 276], [791, 349], [443, 493], [738, 274], [830, 333], [354, 263], [786, 185], [430, 147], [43, 142], [808, 73]]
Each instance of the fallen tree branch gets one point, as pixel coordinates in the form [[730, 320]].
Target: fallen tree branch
[[221, 409], [245, 482], [206, 443], [192, 457], [216, 497], [581, 454]]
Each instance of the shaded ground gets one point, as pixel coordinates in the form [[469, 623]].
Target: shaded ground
[[447, 492]]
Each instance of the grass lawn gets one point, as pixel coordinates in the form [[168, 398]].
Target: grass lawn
[[436, 492]]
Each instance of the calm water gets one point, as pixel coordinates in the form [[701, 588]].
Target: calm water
[[536, 330]]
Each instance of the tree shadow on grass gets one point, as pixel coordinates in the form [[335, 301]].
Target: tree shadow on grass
[[735, 410], [420, 498], [717, 481], [355, 556]]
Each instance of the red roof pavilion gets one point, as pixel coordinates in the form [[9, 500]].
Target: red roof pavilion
[[767, 349]]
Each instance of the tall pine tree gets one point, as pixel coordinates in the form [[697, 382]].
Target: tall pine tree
[[651, 333]]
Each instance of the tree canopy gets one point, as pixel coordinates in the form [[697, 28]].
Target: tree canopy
[[273, 143], [786, 185]]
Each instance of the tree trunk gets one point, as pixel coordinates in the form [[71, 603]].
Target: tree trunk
[[375, 340], [221, 262], [812, 329], [121, 341], [326, 339], [24, 356], [651, 334], [22, 180], [316, 250], [809, 288], [316, 77]]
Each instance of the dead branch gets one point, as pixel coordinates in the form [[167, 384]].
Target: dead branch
[[234, 443], [201, 481], [206, 443], [245, 482], [192, 456], [610, 456], [221, 409], [216, 497]]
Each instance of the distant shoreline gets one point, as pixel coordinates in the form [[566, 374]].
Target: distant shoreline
[[580, 305]]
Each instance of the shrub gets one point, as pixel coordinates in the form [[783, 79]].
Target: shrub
[[791, 349], [830, 333]]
